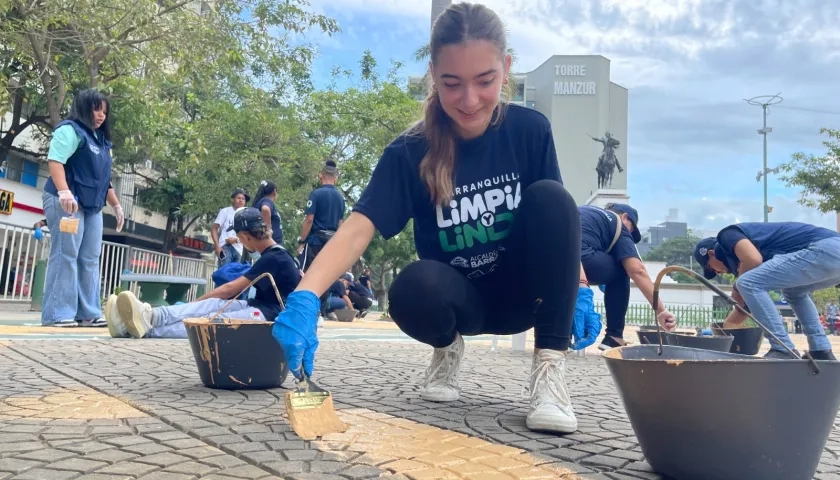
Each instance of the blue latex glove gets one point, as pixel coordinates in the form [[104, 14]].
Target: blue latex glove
[[587, 322], [39, 234], [295, 331]]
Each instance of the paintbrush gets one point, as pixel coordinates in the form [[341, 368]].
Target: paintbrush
[[311, 411]]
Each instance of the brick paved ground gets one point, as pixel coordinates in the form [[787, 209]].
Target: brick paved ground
[[113, 409]]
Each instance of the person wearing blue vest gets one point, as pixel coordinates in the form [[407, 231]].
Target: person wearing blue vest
[[79, 186], [796, 258]]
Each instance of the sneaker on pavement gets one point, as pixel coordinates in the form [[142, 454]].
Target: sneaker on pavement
[[611, 342], [441, 382], [97, 322], [136, 316], [62, 323], [116, 327], [551, 407], [821, 355]]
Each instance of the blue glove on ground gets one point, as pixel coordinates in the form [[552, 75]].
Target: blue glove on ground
[[587, 322], [295, 330], [39, 234]]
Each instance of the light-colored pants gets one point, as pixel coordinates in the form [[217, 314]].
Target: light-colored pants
[[168, 322], [796, 274], [71, 290]]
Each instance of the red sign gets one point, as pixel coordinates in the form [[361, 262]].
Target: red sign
[[193, 243]]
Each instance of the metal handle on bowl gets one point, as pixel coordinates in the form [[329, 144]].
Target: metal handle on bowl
[[260, 277], [727, 298]]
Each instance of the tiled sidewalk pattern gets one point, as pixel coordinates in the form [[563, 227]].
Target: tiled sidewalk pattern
[[114, 409]]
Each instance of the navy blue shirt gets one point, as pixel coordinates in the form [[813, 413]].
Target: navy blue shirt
[[276, 223], [359, 289], [770, 239], [337, 289], [490, 174], [326, 205], [279, 263], [597, 230]]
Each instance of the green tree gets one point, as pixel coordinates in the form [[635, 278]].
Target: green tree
[[818, 177], [353, 126]]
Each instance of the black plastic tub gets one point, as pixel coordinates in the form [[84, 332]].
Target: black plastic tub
[[717, 343], [236, 354], [651, 337], [704, 415], [745, 340]]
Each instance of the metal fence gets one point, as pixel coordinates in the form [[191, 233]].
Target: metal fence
[[22, 252], [688, 316]]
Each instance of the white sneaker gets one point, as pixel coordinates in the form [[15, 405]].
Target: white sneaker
[[136, 316], [441, 382], [116, 327], [551, 407]]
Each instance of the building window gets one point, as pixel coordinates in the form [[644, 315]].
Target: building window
[[16, 169]]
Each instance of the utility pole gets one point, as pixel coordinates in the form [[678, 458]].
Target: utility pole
[[765, 101]]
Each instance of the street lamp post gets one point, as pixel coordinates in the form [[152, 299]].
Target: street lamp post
[[765, 101]]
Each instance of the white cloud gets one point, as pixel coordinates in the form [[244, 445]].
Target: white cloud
[[687, 64]]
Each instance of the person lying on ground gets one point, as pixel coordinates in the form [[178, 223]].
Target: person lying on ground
[[610, 259], [796, 258], [480, 178], [127, 316]]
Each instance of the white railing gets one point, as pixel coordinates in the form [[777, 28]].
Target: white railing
[[21, 253]]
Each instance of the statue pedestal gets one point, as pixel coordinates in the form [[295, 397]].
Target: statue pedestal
[[604, 196]]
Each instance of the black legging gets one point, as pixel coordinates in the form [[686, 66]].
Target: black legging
[[603, 269], [535, 283]]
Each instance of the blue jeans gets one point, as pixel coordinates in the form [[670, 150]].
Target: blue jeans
[[796, 274], [335, 303], [231, 255], [168, 322], [71, 290]]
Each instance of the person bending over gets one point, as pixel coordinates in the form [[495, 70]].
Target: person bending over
[[127, 316], [795, 258], [481, 181], [610, 259], [360, 296], [336, 297]]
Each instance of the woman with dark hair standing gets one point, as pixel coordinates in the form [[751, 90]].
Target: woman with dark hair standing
[[264, 202], [480, 178], [79, 186]]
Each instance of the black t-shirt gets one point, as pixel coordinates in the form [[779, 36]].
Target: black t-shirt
[[276, 224], [279, 263], [337, 289], [364, 280], [491, 172], [597, 230], [326, 205], [359, 289]]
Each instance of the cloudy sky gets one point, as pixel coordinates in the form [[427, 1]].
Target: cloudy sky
[[688, 65]]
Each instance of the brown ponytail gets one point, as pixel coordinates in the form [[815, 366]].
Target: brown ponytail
[[459, 23]]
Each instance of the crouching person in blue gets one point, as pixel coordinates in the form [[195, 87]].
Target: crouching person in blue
[[497, 235], [795, 258], [610, 259], [128, 317]]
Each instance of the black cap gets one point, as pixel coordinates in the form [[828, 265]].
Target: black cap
[[247, 219], [330, 167], [632, 214], [238, 191], [701, 254]]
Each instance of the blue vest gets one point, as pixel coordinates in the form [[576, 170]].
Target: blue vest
[[88, 170]]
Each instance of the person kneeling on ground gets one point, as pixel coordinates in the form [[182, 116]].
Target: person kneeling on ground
[[127, 316], [795, 258], [360, 297], [336, 297], [610, 259]]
